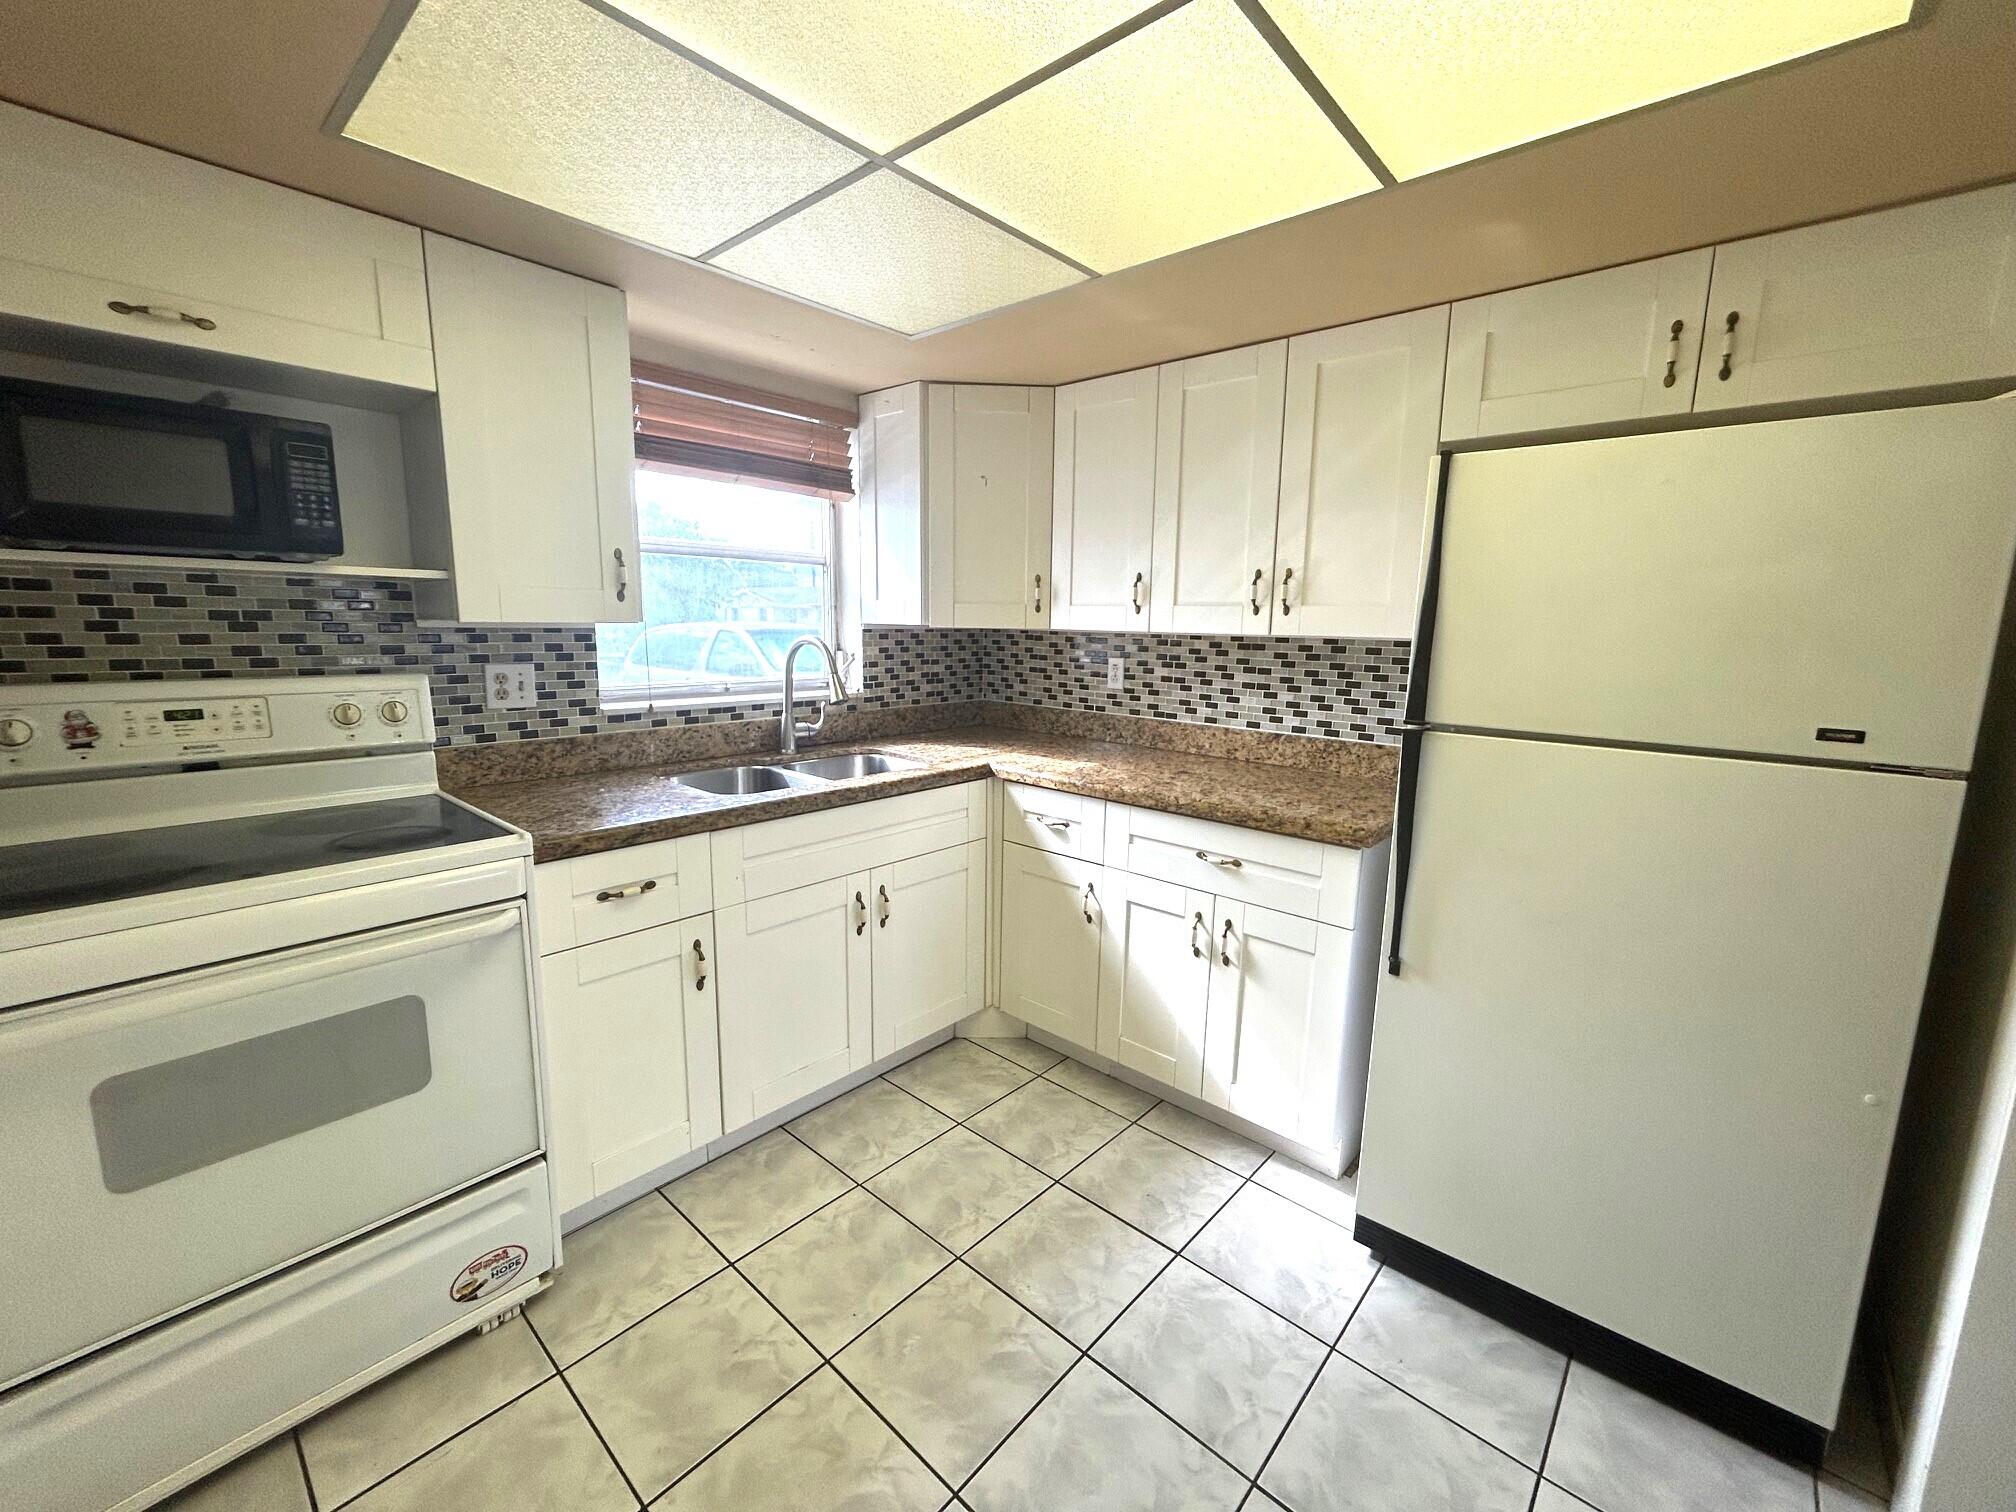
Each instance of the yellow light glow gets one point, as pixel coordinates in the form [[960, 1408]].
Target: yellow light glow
[[887, 251], [1435, 82], [1189, 130], [551, 101], [882, 73]]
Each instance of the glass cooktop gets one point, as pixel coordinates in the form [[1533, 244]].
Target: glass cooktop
[[51, 874]]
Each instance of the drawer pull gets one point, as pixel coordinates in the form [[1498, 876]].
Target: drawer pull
[[700, 966], [1087, 901], [860, 914], [161, 312], [1197, 923], [1225, 945], [1230, 863], [882, 899], [631, 890], [1051, 822]]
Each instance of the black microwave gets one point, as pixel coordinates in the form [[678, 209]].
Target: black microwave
[[84, 469]]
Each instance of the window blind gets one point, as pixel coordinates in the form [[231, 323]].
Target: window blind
[[688, 422]]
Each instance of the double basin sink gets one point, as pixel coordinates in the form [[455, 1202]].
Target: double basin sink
[[778, 776]]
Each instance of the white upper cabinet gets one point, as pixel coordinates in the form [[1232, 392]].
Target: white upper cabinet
[[987, 505], [1104, 519], [202, 259], [1616, 345], [889, 505], [1916, 297], [536, 447], [1217, 479], [1357, 462]]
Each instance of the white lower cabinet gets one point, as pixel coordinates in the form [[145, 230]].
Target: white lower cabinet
[[630, 1052], [1155, 979], [795, 1000], [1277, 1032], [1052, 912], [928, 958]]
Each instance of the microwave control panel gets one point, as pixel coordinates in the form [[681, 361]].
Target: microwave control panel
[[308, 472], [49, 730]]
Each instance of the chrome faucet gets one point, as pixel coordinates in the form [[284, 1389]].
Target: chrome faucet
[[792, 732]]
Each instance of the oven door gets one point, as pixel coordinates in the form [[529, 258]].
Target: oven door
[[169, 1141]]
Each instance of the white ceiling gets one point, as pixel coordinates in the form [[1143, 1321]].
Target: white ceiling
[[921, 164]]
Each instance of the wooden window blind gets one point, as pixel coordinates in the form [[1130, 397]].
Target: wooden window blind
[[686, 422]]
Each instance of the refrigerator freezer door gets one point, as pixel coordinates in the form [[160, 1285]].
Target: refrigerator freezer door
[[1644, 1054], [1826, 587]]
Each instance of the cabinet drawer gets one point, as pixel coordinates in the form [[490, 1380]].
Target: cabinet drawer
[[759, 860], [1061, 822], [1302, 877], [617, 892]]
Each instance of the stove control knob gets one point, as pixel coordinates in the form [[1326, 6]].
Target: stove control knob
[[393, 711], [15, 733], [347, 715]]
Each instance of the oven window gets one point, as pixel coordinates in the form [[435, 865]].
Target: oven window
[[76, 463], [167, 1120]]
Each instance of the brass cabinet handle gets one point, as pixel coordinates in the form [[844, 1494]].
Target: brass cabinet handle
[[1230, 863], [1728, 345], [161, 312], [1287, 577], [1039, 593], [1253, 596], [700, 966], [1087, 901], [1136, 594], [1197, 923], [860, 914], [622, 577], [1225, 945], [882, 893], [632, 890], [1673, 352]]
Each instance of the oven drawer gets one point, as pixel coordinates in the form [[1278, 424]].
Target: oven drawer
[[174, 1139]]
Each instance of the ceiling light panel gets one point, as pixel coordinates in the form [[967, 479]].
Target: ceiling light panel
[[1188, 130], [887, 251], [878, 73], [1436, 82], [553, 102]]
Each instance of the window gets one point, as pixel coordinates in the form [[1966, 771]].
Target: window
[[735, 490], [731, 574]]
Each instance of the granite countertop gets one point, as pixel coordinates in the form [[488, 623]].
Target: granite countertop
[[1345, 802]]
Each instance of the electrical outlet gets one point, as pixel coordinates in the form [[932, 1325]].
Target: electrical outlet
[[509, 685], [1116, 671]]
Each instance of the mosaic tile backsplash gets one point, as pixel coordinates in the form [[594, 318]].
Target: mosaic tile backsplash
[[79, 623]]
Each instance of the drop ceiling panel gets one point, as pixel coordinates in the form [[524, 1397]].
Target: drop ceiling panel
[[887, 251], [1436, 82], [879, 73], [1189, 130], [552, 102]]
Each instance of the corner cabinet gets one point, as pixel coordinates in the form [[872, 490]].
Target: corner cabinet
[[1103, 525], [530, 473]]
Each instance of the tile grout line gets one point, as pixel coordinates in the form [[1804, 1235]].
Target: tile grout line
[[308, 1481], [1303, 1400], [587, 1417]]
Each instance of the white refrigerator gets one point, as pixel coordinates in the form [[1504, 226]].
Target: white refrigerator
[[1691, 725]]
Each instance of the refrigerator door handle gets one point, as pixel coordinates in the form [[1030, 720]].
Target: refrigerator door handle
[[1415, 723]]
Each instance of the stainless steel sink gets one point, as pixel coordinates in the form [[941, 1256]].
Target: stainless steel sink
[[734, 780], [840, 768]]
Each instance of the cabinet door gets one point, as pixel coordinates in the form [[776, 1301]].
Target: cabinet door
[[889, 504], [987, 497], [1217, 480], [87, 219], [794, 994], [632, 1056], [534, 370], [1154, 977], [929, 944], [1276, 1041], [1620, 344], [1357, 461], [1104, 520], [1915, 297], [1050, 926]]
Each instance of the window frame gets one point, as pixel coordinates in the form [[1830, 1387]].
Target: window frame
[[743, 690]]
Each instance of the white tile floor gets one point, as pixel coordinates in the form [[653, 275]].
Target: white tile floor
[[1000, 1281]]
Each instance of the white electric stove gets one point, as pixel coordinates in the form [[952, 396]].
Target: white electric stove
[[271, 1119]]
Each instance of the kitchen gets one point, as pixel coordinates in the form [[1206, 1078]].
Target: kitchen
[[733, 773]]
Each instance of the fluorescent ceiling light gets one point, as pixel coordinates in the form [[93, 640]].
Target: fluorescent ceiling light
[[1436, 82], [885, 250], [553, 102], [877, 72], [1188, 130]]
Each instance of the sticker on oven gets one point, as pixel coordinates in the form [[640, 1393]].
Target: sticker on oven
[[488, 1273]]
